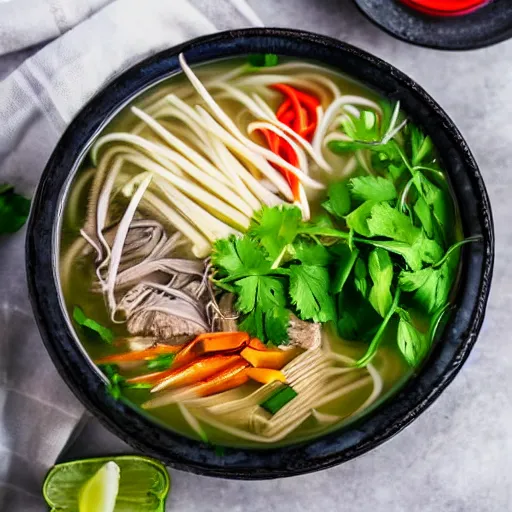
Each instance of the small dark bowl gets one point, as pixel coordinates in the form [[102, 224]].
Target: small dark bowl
[[386, 420]]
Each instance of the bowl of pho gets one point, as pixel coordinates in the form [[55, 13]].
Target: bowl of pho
[[259, 254]]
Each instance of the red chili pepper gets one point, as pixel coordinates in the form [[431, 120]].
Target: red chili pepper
[[299, 112], [445, 7]]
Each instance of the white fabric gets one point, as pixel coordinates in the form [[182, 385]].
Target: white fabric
[[37, 101]]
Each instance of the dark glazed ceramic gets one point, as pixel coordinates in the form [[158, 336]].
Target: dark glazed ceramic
[[388, 419], [488, 25]]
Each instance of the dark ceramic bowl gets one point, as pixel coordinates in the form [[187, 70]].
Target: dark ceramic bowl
[[488, 25], [386, 420]]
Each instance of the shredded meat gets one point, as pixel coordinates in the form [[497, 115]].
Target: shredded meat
[[307, 335], [227, 321], [169, 328]]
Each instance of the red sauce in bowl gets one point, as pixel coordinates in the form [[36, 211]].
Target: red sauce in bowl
[[445, 7]]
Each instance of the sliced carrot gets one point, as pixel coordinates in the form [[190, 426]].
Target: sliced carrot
[[287, 118], [140, 355], [210, 342], [265, 375], [273, 359], [257, 344], [195, 371], [228, 343], [290, 93], [229, 378]]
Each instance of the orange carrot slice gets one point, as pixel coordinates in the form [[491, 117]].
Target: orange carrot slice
[[195, 371], [229, 378], [273, 359], [265, 375]]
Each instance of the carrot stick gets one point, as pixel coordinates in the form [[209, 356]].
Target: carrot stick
[[140, 355], [265, 375], [195, 371], [230, 378], [210, 342], [283, 108], [290, 93]]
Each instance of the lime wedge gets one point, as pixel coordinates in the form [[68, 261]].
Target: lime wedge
[[143, 485], [100, 492]]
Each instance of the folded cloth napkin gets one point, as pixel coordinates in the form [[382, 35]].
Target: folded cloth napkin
[[37, 101]]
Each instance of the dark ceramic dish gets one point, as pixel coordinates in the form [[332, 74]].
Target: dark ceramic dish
[[389, 418], [486, 26]]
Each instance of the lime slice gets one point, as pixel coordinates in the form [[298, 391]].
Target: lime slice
[[100, 492], [143, 484]]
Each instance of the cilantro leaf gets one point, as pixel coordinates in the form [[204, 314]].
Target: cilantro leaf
[[346, 258], [236, 256], [388, 222], [311, 253], [423, 250], [14, 209], [420, 145], [380, 268], [358, 218], [360, 277], [263, 300], [309, 293], [338, 203], [412, 343], [161, 362], [431, 286], [372, 188], [91, 326], [422, 211], [276, 227]]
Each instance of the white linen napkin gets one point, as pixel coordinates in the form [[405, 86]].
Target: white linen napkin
[[37, 101]]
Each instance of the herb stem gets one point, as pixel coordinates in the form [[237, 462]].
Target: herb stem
[[374, 345], [477, 238], [278, 260]]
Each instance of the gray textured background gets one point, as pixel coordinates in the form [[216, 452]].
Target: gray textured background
[[458, 455]]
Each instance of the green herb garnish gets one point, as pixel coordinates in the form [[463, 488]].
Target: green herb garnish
[[116, 382], [279, 398], [161, 362], [263, 60], [14, 209], [91, 326]]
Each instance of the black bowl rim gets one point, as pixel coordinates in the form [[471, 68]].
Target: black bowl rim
[[440, 44], [334, 448]]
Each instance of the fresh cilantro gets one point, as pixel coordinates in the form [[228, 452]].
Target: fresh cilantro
[[372, 188], [161, 362], [14, 209], [345, 259], [275, 228], [360, 277], [422, 211], [338, 202], [310, 253], [388, 222], [262, 299], [358, 218], [115, 380], [235, 256], [263, 60], [91, 326], [309, 293], [380, 268], [412, 343], [431, 286]]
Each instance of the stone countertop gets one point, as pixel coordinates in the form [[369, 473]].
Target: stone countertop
[[457, 457]]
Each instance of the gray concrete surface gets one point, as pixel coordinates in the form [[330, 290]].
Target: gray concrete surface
[[458, 456]]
